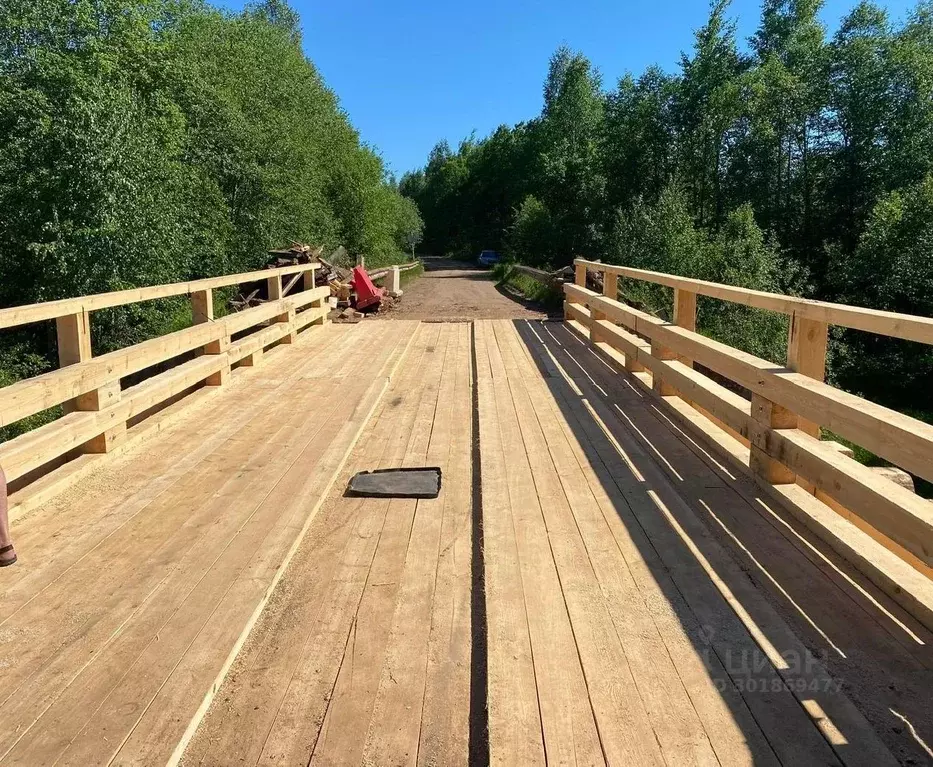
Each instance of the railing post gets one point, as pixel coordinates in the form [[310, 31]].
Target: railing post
[[253, 360], [202, 310], [579, 272], [320, 303], [767, 416], [275, 294], [685, 314], [100, 399], [74, 345], [659, 385], [393, 283], [632, 365], [220, 346], [806, 354], [610, 290], [274, 285], [202, 306], [611, 285]]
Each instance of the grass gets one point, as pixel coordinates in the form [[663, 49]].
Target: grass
[[411, 275], [549, 297]]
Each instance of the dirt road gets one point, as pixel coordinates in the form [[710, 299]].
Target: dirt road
[[454, 290]]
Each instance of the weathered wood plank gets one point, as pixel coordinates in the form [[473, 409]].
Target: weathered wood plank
[[567, 719], [515, 735]]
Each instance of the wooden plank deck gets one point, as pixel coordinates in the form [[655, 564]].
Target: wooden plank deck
[[365, 655], [136, 587], [632, 602], [708, 629]]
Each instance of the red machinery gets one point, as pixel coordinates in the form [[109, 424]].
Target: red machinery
[[367, 294]]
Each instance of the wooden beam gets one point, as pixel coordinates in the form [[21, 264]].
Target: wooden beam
[[33, 395], [659, 385], [256, 342], [315, 315], [725, 405], [39, 446], [202, 306], [894, 576], [685, 314], [902, 516], [74, 345], [899, 514], [806, 354], [767, 416], [25, 398], [580, 275], [579, 313], [292, 281]]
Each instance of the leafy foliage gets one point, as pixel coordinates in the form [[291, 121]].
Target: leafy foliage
[[151, 141], [891, 269]]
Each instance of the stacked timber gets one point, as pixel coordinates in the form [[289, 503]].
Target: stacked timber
[[296, 253]]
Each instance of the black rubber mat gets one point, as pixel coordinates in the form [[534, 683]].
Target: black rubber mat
[[397, 483]]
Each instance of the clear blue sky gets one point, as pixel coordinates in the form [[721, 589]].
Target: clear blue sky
[[411, 72]]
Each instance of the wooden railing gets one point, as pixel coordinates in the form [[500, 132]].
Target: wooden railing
[[775, 433], [378, 274], [97, 406]]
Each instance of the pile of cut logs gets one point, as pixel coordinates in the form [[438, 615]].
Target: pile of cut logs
[[330, 273]]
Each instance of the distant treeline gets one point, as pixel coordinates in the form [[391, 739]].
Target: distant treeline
[[160, 140], [799, 163]]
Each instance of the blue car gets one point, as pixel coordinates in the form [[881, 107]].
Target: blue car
[[489, 258]]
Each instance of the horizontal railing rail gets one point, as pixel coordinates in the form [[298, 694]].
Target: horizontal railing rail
[[778, 428], [91, 388], [49, 310], [906, 326]]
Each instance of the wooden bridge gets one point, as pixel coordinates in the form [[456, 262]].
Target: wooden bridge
[[642, 553]]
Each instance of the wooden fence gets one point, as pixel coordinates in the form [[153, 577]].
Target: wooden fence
[[98, 405], [774, 435], [380, 273]]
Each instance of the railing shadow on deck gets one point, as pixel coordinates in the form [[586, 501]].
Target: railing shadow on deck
[[744, 592]]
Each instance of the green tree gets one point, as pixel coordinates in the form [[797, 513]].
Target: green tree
[[153, 141], [638, 148], [861, 107], [787, 94], [571, 185], [531, 236], [891, 269], [706, 111]]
